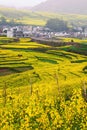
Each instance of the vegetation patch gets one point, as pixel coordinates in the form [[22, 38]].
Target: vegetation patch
[[60, 54], [78, 61], [45, 59], [85, 69], [80, 49]]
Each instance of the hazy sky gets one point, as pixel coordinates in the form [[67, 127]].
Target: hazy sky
[[20, 3]]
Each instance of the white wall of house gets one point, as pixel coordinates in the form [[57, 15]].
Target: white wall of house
[[26, 34], [10, 34], [85, 32]]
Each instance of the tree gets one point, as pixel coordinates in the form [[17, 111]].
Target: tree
[[57, 25], [3, 20]]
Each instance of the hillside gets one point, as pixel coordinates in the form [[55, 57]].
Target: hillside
[[41, 87], [26, 16], [23, 16], [63, 6]]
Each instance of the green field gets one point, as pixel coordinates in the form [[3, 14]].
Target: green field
[[42, 87]]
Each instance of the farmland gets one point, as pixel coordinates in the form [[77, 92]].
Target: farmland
[[42, 87]]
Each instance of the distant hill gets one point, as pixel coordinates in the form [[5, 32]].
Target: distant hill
[[25, 16], [63, 6], [22, 15], [11, 12]]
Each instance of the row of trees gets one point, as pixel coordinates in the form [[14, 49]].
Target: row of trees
[[3, 21], [57, 25]]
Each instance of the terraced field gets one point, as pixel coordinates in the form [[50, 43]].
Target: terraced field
[[38, 84]]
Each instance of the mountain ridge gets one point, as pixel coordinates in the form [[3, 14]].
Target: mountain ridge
[[62, 6]]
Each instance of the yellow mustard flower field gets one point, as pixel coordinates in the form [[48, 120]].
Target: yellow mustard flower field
[[41, 87]]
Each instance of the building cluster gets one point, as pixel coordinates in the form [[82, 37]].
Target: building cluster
[[37, 31]]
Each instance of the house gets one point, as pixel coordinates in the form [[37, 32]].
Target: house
[[1, 31], [10, 34], [27, 34], [15, 32], [62, 34], [85, 32]]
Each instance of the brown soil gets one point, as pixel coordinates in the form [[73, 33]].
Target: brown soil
[[4, 70]]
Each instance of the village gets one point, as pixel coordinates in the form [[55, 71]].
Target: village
[[40, 32]]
